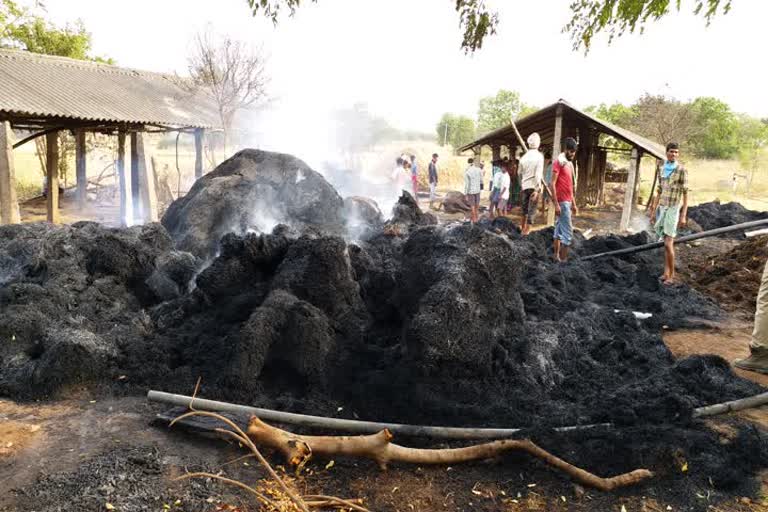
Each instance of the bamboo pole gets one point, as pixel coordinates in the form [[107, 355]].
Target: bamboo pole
[[362, 427]]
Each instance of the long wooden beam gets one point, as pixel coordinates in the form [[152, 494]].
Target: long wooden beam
[[52, 170], [9, 204], [80, 168]]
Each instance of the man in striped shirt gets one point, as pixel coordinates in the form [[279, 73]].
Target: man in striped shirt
[[671, 204]]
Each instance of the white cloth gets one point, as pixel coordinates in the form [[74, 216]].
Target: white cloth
[[400, 177], [497, 180], [505, 182], [473, 178], [534, 141], [531, 169]]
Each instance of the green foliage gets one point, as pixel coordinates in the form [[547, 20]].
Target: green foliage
[[753, 143], [496, 111], [715, 129], [475, 19], [455, 130], [616, 113], [22, 29], [617, 17], [589, 17]]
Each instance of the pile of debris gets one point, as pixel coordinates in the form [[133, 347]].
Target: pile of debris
[[414, 322], [733, 278], [715, 215]]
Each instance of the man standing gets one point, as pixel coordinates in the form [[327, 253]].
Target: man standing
[[671, 201], [415, 178], [432, 179], [473, 178], [531, 172], [562, 191], [504, 184], [758, 346]]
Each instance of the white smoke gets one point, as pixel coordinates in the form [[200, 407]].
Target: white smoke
[[334, 144]]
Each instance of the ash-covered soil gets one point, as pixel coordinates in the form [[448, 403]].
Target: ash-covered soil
[[413, 322], [715, 214]]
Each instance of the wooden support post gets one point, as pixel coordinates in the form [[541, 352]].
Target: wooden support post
[[135, 186], [147, 206], [82, 179], [636, 191], [496, 152], [9, 204], [199, 133], [52, 168], [556, 145], [126, 212], [629, 191]]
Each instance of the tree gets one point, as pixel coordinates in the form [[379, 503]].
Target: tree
[[230, 73], [455, 130], [753, 144], [496, 111], [616, 113], [23, 28], [715, 129], [617, 17], [662, 119], [589, 17]]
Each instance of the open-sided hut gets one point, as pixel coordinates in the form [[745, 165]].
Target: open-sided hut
[[560, 120], [43, 95]]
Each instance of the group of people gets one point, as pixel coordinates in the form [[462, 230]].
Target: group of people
[[406, 167], [555, 185]]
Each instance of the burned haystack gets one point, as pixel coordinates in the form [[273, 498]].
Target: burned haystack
[[452, 324], [252, 191], [715, 214]]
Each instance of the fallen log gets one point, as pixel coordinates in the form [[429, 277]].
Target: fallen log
[[298, 449]]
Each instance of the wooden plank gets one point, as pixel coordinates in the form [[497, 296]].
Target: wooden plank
[[556, 145], [122, 181], [199, 133], [626, 214], [52, 168], [9, 204], [80, 170]]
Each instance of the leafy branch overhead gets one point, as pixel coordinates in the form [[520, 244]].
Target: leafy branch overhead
[[617, 17], [588, 17]]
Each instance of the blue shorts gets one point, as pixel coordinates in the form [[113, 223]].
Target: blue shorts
[[564, 224]]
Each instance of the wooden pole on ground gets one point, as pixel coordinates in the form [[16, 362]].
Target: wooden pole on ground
[[199, 132], [52, 168], [122, 180], [82, 179], [556, 142], [9, 204], [629, 191]]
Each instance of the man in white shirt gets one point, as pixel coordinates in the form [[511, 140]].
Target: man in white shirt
[[531, 170], [504, 184], [473, 179]]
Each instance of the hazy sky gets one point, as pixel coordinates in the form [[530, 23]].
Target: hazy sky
[[402, 57]]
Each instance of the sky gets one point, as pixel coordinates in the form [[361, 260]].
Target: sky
[[403, 57]]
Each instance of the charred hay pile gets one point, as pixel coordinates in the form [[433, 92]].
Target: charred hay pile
[[426, 323], [744, 264], [715, 215]]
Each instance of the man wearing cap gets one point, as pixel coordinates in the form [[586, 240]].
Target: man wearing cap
[[531, 170], [473, 179], [671, 205], [562, 192]]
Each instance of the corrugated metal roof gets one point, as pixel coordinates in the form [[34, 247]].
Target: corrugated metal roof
[[34, 85], [543, 121]]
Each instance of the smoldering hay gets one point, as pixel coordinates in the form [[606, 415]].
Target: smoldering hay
[[413, 322]]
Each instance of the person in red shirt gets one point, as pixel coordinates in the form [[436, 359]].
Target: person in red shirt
[[565, 207]]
